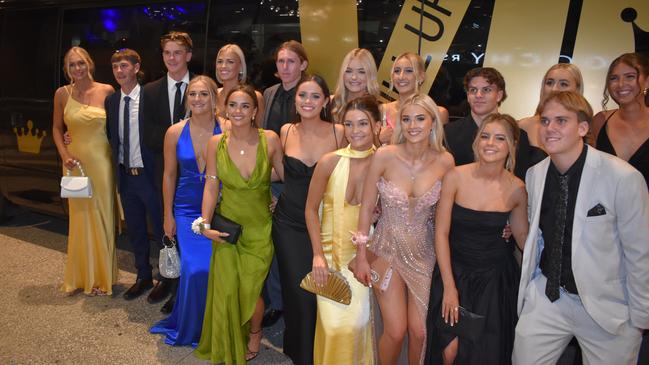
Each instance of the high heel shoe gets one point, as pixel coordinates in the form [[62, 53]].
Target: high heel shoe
[[251, 355]]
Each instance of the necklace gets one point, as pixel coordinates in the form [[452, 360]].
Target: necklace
[[242, 152]]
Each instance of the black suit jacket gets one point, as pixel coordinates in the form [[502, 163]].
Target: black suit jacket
[[157, 120], [157, 116], [112, 131]]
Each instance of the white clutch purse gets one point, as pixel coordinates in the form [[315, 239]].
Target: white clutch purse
[[76, 186]]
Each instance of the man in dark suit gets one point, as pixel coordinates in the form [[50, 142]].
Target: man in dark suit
[[164, 101], [291, 61], [485, 91], [134, 164]]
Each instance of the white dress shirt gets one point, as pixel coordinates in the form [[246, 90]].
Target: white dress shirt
[[135, 154], [171, 90]]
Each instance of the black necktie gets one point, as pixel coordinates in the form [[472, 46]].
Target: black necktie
[[126, 136], [554, 274], [179, 111]]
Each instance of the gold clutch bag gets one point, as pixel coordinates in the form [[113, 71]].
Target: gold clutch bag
[[337, 288]]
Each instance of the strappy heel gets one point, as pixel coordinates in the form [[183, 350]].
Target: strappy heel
[[251, 355]]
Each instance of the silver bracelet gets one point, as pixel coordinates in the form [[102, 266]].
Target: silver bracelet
[[213, 177]]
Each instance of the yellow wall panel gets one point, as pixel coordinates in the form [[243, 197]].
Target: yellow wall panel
[[440, 23], [524, 41], [602, 36], [329, 29]]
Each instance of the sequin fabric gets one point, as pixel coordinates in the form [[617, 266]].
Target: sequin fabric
[[404, 237]]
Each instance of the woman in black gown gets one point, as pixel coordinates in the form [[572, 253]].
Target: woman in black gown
[[624, 132], [476, 268], [304, 143]]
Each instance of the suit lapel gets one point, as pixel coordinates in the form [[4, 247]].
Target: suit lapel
[[163, 99], [140, 117], [538, 183], [114, 110], [586, 185]]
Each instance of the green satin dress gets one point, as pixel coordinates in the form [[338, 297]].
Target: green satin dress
[[237, 272]]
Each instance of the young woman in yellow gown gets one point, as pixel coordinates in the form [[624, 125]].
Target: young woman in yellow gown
[[343, 332], [79, 108]]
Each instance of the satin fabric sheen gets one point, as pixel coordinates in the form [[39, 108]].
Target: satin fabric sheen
[[183, 326], [237, 272], [91, 261], [343, 333]]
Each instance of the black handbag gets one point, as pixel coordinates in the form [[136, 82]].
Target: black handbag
[[469, 325], [223, 224]]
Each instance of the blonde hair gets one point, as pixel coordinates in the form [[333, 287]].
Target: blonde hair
[[512, 136], [417, 63], [372, 86], [181, 38], [211, 87], [574, 72], [84, 55], [436, 137], [242, 60]]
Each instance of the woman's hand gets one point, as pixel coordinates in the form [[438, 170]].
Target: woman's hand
[[273, 203], [66, 138], [385, 135], [507, 232], [320, 270], [450, 306], [169, 226], [70, 162], [215, 235], [361, 270]]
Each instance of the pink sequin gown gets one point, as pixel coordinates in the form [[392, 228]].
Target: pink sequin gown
[[404, 238]]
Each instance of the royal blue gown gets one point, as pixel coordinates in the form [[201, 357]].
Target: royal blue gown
[[183, 326]]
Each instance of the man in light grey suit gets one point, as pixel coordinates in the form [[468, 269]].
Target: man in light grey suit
[[585, 270]]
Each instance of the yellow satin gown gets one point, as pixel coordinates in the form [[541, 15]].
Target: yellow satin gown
[[91, 261], [343, 332]]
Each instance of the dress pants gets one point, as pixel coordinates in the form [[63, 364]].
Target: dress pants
[[140, 200], [545, 328], [272, 287]]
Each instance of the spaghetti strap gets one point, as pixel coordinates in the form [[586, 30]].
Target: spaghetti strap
[[333, 125], [609, 117], [287, 134]]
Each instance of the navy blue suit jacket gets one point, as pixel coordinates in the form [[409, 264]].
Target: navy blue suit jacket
[[112, 131]]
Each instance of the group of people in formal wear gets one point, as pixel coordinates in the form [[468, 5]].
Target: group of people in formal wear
[[421, 216]]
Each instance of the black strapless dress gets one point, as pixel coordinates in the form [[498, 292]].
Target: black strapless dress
[[294, 261], [487, 277]]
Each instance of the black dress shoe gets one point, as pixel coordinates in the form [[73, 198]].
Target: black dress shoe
[[160, 292], [137, 289], [168, 307], [271, 317]]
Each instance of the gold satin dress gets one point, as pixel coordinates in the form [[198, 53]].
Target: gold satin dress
[[343, 333], [91, 261]]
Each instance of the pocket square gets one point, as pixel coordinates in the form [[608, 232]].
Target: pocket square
[[596, 211]]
